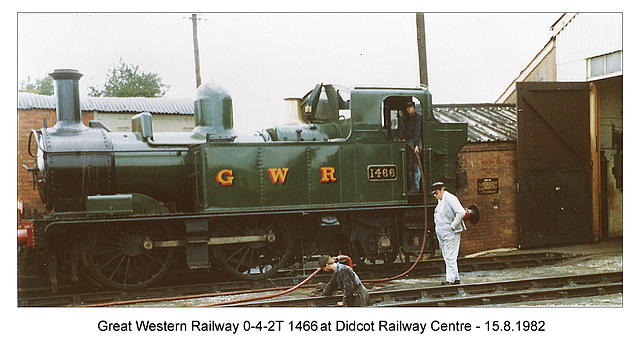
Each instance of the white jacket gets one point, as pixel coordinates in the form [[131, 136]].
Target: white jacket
[[449, 213]]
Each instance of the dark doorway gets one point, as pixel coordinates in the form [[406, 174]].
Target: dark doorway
[[554, 164]]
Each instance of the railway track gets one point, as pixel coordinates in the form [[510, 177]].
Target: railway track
[[174, 287], [502, 292]]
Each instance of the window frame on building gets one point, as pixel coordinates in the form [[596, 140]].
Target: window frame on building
[[604, 66]]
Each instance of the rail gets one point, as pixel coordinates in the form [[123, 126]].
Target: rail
[[200, 286], [501, 292]]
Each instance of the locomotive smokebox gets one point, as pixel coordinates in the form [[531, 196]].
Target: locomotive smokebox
[[73, 160], [69, 114], [213, 112]]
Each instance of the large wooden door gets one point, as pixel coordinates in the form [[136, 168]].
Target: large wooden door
[[554, 164]]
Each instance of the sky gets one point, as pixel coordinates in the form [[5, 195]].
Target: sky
[[262, 58]]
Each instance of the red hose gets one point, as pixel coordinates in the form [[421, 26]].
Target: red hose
[[348, 259], [256, 298], [165, 299]]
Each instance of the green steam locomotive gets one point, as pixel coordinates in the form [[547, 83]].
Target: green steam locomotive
[[333, 179]]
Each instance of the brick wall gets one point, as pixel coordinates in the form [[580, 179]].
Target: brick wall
[[497, 227], [29, 119]]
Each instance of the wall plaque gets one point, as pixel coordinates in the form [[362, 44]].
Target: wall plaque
[[488, 185]]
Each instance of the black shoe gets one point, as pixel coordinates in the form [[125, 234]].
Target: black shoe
[[456, 282]]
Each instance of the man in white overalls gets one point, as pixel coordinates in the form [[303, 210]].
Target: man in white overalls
[[448, 217]]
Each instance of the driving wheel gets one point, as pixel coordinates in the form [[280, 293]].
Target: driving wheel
[[124, 257], [254, 260]]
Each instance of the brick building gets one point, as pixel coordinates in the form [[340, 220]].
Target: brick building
[[489, 160], [491, 163]]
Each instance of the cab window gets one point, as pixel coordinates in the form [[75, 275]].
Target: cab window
[[394, 115]]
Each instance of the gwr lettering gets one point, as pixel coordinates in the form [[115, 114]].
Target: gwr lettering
[[328, 174], [278, 174], [225, 177]]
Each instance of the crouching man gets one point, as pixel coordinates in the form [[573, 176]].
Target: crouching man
[[345, 279]]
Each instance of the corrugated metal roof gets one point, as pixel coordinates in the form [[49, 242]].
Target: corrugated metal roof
[[182, 106], [28, 100], [487, 121]]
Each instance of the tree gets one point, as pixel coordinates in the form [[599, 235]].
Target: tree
[[42, 86], [129, 81]]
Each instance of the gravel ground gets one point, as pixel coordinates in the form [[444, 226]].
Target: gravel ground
[[601, 257], [596, 258]]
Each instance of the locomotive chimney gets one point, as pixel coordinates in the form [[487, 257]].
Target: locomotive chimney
[[69, 114]]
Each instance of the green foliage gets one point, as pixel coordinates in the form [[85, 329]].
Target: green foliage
[[42, 86], [129, 81]]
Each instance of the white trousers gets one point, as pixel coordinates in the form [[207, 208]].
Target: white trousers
[[449, 245]]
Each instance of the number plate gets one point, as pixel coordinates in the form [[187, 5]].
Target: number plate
[[382, 172]]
